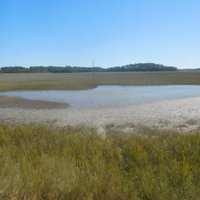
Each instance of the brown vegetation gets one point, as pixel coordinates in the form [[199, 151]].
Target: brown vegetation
[[38, 162], [36, 81]]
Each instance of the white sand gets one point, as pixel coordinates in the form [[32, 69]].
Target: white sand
[[183, 114]]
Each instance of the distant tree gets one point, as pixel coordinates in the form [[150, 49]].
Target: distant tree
[[70, 69], [16, 69], [142, 67], [37, 69]]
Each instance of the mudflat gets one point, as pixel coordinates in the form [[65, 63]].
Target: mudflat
[[16, 102], [181, 114]]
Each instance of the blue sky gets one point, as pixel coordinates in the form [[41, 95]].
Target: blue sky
[[113, 32]]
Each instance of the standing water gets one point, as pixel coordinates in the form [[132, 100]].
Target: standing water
[[110, 96]]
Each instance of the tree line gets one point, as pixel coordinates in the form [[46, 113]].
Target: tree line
[[70, 69]]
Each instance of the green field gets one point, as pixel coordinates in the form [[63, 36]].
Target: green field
[[40, 81], [38, 162]]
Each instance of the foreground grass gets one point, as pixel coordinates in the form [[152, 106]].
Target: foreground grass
[[73, 81], [38, 162]]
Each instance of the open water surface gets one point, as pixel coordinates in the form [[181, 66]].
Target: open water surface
[[110, 96]]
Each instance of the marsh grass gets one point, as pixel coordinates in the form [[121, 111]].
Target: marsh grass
[[38, 162], [72, 81]]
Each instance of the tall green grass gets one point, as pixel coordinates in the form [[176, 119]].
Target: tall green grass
[[38, 162]]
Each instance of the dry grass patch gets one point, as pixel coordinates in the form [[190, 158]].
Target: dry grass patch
[[38, 162], [40, 81]]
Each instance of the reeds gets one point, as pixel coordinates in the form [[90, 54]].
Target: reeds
[[38, 162], [72, 81]]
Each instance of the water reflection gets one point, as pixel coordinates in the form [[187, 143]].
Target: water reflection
[[111, 96]]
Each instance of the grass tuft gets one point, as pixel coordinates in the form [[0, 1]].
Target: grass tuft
[[38, 162]]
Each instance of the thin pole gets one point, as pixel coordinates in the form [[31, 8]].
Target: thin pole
[[93, 70]]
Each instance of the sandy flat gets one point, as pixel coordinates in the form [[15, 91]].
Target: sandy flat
[[16, 102], [182, 114]]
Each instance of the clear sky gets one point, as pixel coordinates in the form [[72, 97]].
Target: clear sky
[[113, 32]]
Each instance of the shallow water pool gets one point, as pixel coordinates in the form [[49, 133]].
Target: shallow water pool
[[110, 96]]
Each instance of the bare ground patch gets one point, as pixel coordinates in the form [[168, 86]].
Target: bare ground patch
[[182, 114], [16, 102]]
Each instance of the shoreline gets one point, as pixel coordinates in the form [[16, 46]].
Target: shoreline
[[21, 103], [179, 114]]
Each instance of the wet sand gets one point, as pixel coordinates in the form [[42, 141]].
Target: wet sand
[[16, 102], [182, 114]]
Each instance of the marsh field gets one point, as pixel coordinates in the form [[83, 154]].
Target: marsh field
[[37, 81], [149, 151]]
